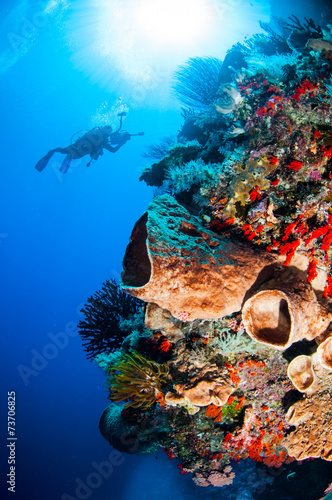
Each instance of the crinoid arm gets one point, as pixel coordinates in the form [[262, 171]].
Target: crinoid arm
[[136, 380]]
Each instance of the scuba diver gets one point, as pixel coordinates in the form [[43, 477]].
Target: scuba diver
[[92, 143]]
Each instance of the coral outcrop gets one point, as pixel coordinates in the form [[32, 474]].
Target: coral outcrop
[[232, 363], [312, 418], [203, 391], [160, 319], [130, 435]]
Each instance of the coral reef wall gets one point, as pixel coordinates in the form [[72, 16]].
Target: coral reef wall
[[232, 260]]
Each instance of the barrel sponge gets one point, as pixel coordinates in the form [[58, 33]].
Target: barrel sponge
[[175, 262], [301, 373], [325, 353], [125, 437], [284, 310]]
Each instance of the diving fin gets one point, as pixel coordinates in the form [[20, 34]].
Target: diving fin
[[66, 164], [44, 161]]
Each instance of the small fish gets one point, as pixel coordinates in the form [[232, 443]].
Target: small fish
[[290, 475]]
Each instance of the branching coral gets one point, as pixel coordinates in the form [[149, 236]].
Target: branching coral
[[231, 343], [154, 175], [104, 311], [194, 173], [136, 379]]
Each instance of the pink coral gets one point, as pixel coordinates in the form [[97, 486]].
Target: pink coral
[[221, 479], [216, 478], [314, 175], [184, 316]]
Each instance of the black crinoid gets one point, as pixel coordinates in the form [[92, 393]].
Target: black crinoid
[[196, 83], [104, 311]]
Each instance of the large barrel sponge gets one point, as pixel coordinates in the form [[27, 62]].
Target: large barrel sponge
[[175, 262]]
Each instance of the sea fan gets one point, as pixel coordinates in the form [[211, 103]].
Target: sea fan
[[196, 82], [183, 177]]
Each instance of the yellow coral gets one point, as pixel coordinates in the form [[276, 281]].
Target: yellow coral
[[136, 379], [247, 178]]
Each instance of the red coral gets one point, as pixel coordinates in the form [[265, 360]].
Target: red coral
[[289, 250], [295, 165], [262, 112], [303, 88], [312, 270], [232, 373], [214, 412], [288, 230], [302, 228], [160, 399], [248, 232], [275, 459], [255, 194], [180, 466], [271, 107], [169, 453], [327, 152], [328, 287], [327, 240], [240, 403], [320, 231], [252, 83], [165, 345], [273, 160]]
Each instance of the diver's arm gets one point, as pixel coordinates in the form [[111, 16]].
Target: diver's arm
[[124, 138], [113, 150]]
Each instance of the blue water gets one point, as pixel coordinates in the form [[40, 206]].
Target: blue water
[[62, 236]]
